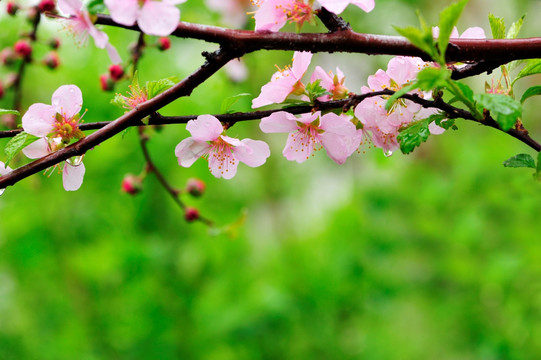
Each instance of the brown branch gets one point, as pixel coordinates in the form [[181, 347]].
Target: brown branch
[[498, 51]]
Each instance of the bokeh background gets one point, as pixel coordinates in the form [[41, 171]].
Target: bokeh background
[[435, 255]]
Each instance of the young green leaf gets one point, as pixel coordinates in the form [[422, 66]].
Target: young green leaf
[[520, 160], [419, 39], [410, 87], [532, 67], [431, 78], [467, 92], [96, 6], [6, 112], [538, 169], [17, 143], [503, 109], [515, 28], [448, 19], [534, 90], [315, 90], [497, 26], [413, 135], [158, 86], [232, 100]]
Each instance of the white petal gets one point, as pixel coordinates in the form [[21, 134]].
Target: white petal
[[72, 176]]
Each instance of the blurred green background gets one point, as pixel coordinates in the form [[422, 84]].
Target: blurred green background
[[435, 255]]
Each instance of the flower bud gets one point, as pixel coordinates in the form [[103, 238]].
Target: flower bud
[[54, 43], [1, 90], [12, 8], [9, 121], [107, 84], [164, 43], [195, 187], [116, 72], [32, 14], [191, 214], [51, 60], [23, 48], [8, 56], [132, 184], [46, 5]]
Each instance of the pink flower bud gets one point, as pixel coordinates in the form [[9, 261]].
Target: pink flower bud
[[46, 5], [23, 48], [8, 56], [116, 71], [164, 43], [12, 8], [195, 187], [107, 84], [51, 60], [54, 43], [1, 90], [132, 184], [191, 214], [32, 14]]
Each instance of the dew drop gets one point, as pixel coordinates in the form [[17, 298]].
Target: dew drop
[[388, 153], [75, 160]]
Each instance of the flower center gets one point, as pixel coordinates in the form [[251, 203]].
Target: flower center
[[221, 152], [297, 11], [66, 128]]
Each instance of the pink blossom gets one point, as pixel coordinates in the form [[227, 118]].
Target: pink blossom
[[233, 11], [337, 6], [284, 82], [470, 33], [81, 25], [57, 125], [273, 14], [223, 152], [330, 82], [382, 124], [158, 18], [311, 132], [3, 171]]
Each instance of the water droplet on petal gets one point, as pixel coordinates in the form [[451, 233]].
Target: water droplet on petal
[[75, 160], [388, 153]]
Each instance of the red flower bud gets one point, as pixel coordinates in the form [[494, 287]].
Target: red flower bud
[[132, 184], [107, 84], [51, 60], [8, 56], [23, 48], [116, 71], [1, 90], [46, 5], [164, 43], [12, 8], [191, 214], [195, 187], [54, 43]]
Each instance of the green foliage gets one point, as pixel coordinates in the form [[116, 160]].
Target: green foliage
[[9, 112], [156, 87], [503, 109], [532, 91], [315, 90], [532, 67], [413, 135], [96, 6], [520, 160], [17, 143], [448, 20], [421, 38], [515, 28], [228, 102], [497, 25]]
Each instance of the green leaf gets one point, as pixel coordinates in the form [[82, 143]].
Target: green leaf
[[497, 26], [538, 170], [431, 78], [119, 100], [96, 6], [532, 67], [17, 143], [6, 112], [230, 101], [534, 90], [419, 39], [413, 135], [448, 19], [520, 160], [465, 89], [399, 93], [503, 109], [515, 28], [158, 86]]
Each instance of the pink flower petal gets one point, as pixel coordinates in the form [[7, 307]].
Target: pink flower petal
[[274, 92], [337, 124], [123, 11], [72, 176], [69, 7], [189, 150], [336, 146], [37, 149], [4, 169], [270, 16], [254, 153], [337, 6], [298, 147], [279, 122], [205, 128], [223, 165], [67, 100], [231, 141], [473, 33], [39, 119], [301, 61], [158, 18]]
